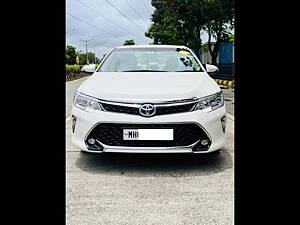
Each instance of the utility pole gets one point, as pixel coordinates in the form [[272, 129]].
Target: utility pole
[[86, 41], [98, 48], [99, 54]]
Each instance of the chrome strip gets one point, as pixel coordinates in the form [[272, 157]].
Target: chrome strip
[[147, 148], [177, 150], [154, 102], [138, 104], [157, 104]]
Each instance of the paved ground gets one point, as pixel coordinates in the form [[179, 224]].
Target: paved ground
[[229, 99], [147, 188]]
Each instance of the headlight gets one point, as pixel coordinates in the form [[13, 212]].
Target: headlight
[[211, 102], [86, 103]]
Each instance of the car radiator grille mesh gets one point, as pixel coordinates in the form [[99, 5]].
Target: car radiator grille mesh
[[160, 110], [112, 134]]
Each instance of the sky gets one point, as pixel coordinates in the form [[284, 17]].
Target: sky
[[108, 23]]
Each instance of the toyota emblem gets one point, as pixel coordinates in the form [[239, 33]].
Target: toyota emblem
[[147, 110]]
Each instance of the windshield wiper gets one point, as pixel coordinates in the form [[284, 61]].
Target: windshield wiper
[[143, 71]]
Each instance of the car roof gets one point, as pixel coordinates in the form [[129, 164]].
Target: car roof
[[152, 46]]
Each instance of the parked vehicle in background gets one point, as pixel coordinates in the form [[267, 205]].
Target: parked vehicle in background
[[89, 68]]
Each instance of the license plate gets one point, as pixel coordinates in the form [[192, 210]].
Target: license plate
[[148, 134]]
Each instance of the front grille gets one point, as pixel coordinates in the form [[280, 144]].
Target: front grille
[[120, 109], [112, 134], [174, 109], [160, 110]]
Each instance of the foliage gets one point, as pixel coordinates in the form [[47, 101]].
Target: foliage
[[129, 42], [221, 21], [82, 58], [70, 55], [91, 58], [73, 69], [231, 37], [204, 47], [180, 22]]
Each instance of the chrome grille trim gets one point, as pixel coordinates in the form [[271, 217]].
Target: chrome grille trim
[[157, 104], [161, 109], [163, 105], [137, 104]]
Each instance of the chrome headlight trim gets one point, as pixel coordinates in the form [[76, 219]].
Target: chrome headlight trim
[[86, 103], [210, 103]]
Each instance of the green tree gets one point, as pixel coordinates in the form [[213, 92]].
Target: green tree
[[219, 25], [178, 22], [231, 37], [129, 42], [82, 57], [181, 22], [91, 57], [70, 55]]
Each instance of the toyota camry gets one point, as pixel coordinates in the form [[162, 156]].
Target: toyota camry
[[149, 99]]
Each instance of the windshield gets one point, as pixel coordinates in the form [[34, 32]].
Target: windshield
[[150, 59]]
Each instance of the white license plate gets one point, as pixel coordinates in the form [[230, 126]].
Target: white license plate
[[148, 134]]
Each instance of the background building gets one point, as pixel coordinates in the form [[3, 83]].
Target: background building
[[225, 61], [226, 54]]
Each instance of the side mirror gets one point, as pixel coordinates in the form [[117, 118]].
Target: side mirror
[[211, 68]]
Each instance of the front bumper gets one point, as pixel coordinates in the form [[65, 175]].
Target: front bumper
[[209, 122]]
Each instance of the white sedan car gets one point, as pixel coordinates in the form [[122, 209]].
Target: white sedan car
[[149, 99]]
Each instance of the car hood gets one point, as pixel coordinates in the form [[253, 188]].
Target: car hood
[[148, 86]]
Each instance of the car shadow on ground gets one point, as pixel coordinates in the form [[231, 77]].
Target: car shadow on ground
[[155, 164]]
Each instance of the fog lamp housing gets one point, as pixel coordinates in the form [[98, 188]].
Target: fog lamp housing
[[204, 142], [73, 118], [223, 123], [91, 141], [93, 144]]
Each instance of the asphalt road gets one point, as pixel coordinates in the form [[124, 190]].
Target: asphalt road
[[229, 99], [149, 188]]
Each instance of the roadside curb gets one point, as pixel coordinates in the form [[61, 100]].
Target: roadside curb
[[68, 82], [72, 77], [229, 83]]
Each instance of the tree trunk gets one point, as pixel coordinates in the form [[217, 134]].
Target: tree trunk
[[214, 59], [198, 30], [209, 45], [215, 52]]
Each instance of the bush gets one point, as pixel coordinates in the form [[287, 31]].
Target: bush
[[73, 69]]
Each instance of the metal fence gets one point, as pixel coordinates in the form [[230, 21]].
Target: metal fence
[[226, 71]]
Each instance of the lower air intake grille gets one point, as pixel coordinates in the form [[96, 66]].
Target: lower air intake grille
[[112, 134]]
